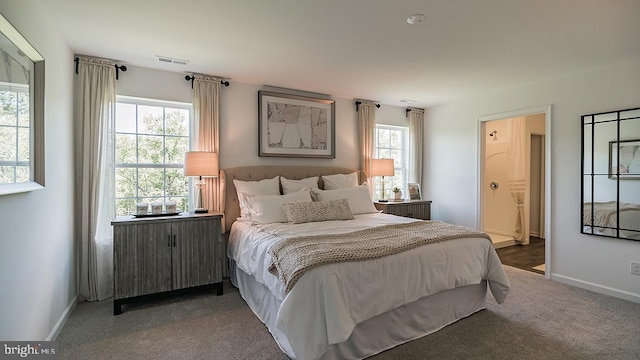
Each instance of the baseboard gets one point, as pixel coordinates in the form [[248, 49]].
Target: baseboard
[[617, 293], [63, 319]]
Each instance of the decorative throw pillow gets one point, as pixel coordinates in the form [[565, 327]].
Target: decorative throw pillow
[[266, 209], [304, 212], [340, 181], [289, 186], [358, 196], [253, 188]]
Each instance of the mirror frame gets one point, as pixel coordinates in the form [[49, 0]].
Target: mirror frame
[[616, 116], [36, 108]]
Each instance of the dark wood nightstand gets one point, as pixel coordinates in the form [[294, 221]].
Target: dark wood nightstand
[[417, 209]]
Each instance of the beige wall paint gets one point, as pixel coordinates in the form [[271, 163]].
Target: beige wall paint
[[239, 118]]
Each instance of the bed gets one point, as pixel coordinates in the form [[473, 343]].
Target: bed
[[609, 216], [354, 309]]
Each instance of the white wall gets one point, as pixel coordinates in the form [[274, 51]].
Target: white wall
[[37, 262], [239, 118], [592, 262]]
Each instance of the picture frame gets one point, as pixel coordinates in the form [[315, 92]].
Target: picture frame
[[414, 191], [295, 126], [629, 163]]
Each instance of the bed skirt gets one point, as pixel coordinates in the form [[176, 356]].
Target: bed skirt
[[380, 333]]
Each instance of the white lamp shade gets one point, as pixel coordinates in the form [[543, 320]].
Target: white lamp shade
[[201, 163], [382, 167]]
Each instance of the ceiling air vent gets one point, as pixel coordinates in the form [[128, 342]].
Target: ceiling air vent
[[168, 60]]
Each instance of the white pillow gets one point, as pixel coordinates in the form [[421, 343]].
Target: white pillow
[[340, 181], [266, 209], [289, 186], [358, 197], [253, 188]]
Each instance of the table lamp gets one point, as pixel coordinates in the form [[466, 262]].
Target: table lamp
[[382, 167], [201, 164]]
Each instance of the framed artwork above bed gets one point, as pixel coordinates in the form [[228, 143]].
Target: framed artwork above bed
[[295, 126], [628, 165]]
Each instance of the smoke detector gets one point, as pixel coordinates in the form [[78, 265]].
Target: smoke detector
[[168, 60], [415, 19]]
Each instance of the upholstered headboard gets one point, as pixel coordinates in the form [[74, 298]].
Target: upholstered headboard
[[231, 207]]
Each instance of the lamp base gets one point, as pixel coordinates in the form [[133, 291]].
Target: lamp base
[[199, 211], [383, 200]]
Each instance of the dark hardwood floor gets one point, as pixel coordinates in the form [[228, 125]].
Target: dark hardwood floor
[[524, 257]]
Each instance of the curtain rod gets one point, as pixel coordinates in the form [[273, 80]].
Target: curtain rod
[[408, 110], [190, 78], [118, 67], [360, 102]]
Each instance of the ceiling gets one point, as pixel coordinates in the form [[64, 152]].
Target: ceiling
[[358, 48]]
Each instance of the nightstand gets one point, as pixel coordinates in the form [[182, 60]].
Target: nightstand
[[153, 256], [417, 209]]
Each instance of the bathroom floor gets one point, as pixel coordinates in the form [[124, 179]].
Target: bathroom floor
[[524, 257]]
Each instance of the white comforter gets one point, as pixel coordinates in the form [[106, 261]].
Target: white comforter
[[329, 301]]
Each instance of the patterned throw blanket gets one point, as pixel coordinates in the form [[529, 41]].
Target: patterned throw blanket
[[602, 212], [292, 257]]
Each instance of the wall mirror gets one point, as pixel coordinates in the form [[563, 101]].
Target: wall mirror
[[21, 113], [611, 174]]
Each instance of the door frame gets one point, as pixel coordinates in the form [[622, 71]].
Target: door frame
[[544, 109]]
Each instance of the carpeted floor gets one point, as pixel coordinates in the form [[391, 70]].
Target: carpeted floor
[[540, 319]]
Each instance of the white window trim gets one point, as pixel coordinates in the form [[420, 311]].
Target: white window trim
[[405, 148], [164, 104], [19, 186]]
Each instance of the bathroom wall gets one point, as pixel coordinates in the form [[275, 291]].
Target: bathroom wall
[[500, 210]]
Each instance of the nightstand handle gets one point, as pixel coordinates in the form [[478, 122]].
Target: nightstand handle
[[174, 240]]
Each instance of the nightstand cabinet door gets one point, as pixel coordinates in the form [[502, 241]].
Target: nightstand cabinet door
[[195, 252], [142, 259]]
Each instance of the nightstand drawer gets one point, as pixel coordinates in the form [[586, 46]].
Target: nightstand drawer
[[417, 209]]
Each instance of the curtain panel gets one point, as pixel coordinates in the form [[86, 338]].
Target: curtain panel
[[94, 166], [416, 138], [367, 127], [206, 109], [517, 172]]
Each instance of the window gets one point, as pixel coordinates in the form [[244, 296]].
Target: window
[[392, 142], [14, 133], [150, 141]]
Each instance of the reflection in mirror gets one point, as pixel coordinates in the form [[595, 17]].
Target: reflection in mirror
[[21, 113], [611, 174]]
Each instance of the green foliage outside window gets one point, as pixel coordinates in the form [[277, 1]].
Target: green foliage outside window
[[14, 136], [149, 150]]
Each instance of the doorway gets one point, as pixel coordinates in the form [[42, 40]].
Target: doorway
[[514, 191]]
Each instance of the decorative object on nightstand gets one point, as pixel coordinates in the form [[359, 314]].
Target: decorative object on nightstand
[[414, 191], [397, 194], [201, 164], [382, 167], [417, 209]]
